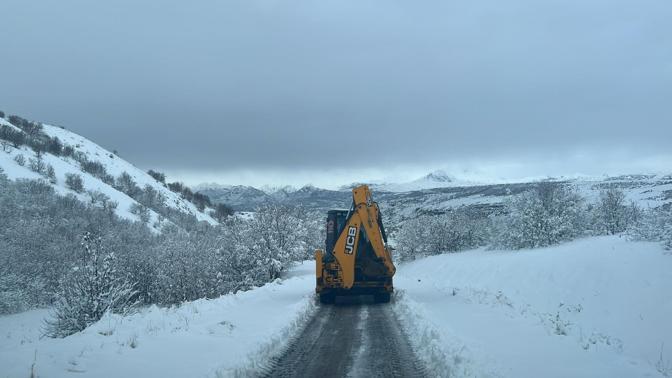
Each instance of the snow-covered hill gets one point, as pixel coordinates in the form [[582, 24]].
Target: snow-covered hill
[[113, 166], [597, 307]]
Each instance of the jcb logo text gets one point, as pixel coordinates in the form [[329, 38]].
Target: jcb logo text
[[350, 240]]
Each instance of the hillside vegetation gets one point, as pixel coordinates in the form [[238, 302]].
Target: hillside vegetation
[[86, 232]]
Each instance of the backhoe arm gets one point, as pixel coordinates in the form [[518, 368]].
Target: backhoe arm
[[364, 216]]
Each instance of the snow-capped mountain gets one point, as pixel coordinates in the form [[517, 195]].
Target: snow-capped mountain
[[16, 160], [436, 179], [645, 190]]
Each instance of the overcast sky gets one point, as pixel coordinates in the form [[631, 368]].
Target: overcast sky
[[329, 92]]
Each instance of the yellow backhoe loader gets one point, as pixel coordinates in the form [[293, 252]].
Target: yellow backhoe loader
[[357, 259]]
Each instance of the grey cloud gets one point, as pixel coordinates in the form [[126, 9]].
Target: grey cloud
[[219, 85]]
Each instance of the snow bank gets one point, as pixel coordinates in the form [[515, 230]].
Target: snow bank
[[231, 335], [597, 307]]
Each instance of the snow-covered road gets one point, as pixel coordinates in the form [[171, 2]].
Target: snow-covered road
[[352, 339]]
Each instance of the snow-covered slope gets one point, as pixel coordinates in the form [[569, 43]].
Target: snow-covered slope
[[597, 307], [229, 336], [113, 164]]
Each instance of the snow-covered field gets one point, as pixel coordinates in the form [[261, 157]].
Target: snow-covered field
[[207, 338], [598, 307]]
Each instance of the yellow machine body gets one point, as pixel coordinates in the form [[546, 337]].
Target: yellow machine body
[[360, 261]]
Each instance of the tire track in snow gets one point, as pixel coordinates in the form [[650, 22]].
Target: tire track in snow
[[351, 340]]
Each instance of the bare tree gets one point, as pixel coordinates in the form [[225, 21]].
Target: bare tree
[[612, 211]]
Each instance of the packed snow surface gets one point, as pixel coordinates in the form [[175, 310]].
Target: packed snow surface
[[598, 307], [231, 335]]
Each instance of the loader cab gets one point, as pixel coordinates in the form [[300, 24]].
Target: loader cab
[[336, 220]]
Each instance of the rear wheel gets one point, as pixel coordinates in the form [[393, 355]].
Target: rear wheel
[[327, 298], [382, 297]]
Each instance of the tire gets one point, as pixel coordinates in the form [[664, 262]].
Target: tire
[[382, 298], [327, 298]]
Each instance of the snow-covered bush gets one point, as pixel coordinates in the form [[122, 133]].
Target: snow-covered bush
[[54, 146], [238, 265], [206, 264], [141, 211], [612, 213], [410, 239], [39, 230], [125, 183], [98, 197], [279, 237], [151, 197], [654, 225], [238, 255], [20, 160], [12, 296], [454, 231], [93, 288], [29, 127], [95, 168], [37, 165], [74, 182], [13, 136], [158, 176], [549, 214], [50, 174], [181, 264]]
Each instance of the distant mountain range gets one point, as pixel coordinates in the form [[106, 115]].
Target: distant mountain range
[[438, 192], [247, 198]]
